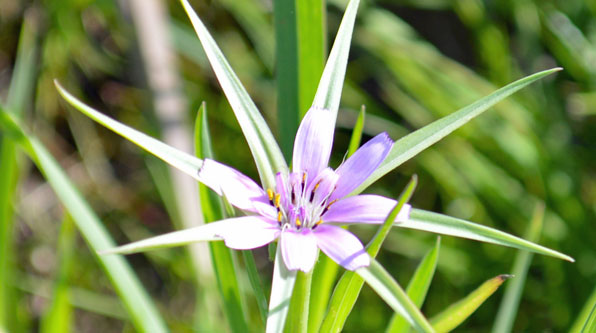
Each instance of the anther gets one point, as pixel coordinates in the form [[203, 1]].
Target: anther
[[277, 199], [270, 194], [298, 223], [312, 194], [318, 223], [279, 216]]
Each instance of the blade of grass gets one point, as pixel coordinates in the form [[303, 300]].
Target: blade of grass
[[310, 19], [357, 132], [297, 320], [221, 255], [415, 142], [58, 317], [286, 49], [350, 284], [458, 312], [447, 225], [330, 86], [181, 160], [141, 309], [418, 287], [386, 287], [265, 150], [513, 292], [326, 269], [19, 95], [255, 283], [586, 315]]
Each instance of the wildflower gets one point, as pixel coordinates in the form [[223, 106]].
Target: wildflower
[[306, 205]]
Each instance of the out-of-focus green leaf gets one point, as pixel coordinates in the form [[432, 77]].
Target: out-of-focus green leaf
[[586, 317], [180, 160], [266, 152], [590, 324], [418, 287], [390, 291], [221, 256], [413, 143], [447, 225], [141, 309], [310, 21], [513, 292], [286, 49], [350, 284], [59, 314], [458, 312], [20, 91]]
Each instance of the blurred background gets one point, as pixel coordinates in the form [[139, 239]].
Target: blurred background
[[411, 62]]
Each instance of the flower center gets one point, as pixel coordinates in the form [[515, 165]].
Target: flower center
[[301, 202]]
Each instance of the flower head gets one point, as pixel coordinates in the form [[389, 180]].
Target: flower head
[[306, 203]]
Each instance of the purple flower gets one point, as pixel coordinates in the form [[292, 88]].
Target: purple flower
[[306, 205]]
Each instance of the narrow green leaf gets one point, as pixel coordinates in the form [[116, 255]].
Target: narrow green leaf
[[590, 325], [513, 292], [255, 283], [585, 316], [324, 275], [178, 159], [413, 143], [458, 312], [143, 313], [265, 150], [329, 90], [58, 317], [418, 287], [357, 132], [21, 88], [286, 49], [350, 284], [447, 225], [203, 233], [297, 320], [281, 292], [221, 255], [310, 22], [382, 282]]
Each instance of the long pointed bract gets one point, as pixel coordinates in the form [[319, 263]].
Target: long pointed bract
[[263, 146]]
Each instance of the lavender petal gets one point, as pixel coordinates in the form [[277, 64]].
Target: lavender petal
[[341, 246], [361, 164], [365, 208], [299, 249]]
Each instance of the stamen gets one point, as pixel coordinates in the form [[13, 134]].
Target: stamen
[[303, 181], [298, 223], [312, 193], [277, 199], [270, 194], [279, 216], [318, 223]]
